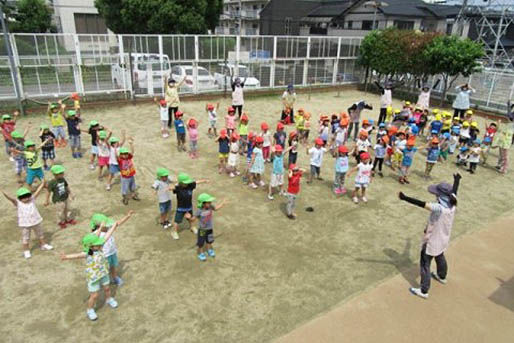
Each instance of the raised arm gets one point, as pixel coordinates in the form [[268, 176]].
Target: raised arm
[[123, 137], [131, 145], [198, 182], [414, 201], [220, 205], [127, 217], [12, 200], [65, 257], [456, 182], [379, 87], [436, 84], [39, 189]]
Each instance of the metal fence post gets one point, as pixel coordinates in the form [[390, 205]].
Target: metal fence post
[[161, 62], [491, 90], [77, 67], [336, 64], [17, 66], [306, 63], [273, 61], [195, 66], [238, 50]]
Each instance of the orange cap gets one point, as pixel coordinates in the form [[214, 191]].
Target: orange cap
[[385, 139], [210, 107], [319, 141], [231, 109], [75, 96], [280, 126], [435, 140], [264, 126], [293, 134], [344, 122], [259, 139], [343, 149], [278, 148], [411, 141], [235, 136], [365, 122], [363, 133], [244, 117]]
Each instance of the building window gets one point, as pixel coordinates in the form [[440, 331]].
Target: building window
[[367, 24], [404, 25], [89, 23], [449, 28], [349, 24], [287, 25]]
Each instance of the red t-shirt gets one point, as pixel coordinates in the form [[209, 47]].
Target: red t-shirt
[[7, 128], [126, 167], [294, 183]]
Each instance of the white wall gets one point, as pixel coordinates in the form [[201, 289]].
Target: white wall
[[65, 10]]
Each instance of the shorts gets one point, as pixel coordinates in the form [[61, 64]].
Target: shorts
[[232, 159], [443, 154], [212, 124], [75, 141], [164, 124], [165, 207], [181, 137], [33, 173], [128, 185], [48, 154], [25, 233], [397, 157], [95, 286], [276, 180], [113, 260], [114, 169], [361, 184], [315, 171], [204, 236], [179, 215], [58, 131], [103, 161], [20, 165], [94, 150], [463, 140], [223, 155], [193, 145], [404, 170]]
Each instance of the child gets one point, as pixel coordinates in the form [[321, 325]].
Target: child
[[17, 148], [280, 136], [205, 234], [399, 145], [474, 156], [181, 131], [257, 164], [224, 149], [277, 174], [266, 144], [249, 153], [436, 124], [47, 150], [192, 132], [34, 165], [474, 131], [74, 133], [230, 121], [233, 155], [433, 152], [381, 131], [453, 142], [445, 147], [339, 137], [490, 131], [94, 128], [114, 150], [293, 144], [56, 114], [367, 125], [127, 172], [486, 147], [361, 145], [184, 191], [324, 129], [462, 156], [408, 157], [306, 127], [293, 189], [299, 121], [464, 134], [242, 128], [100, 225], [103, 152], [60, 191], [423, 120], [162, 188], [211, 112], [163, 116], [341, 168], [7, 126], [316, 154], [334, 123], [29, 218], [363, 177], [390, 150], [380, 152]]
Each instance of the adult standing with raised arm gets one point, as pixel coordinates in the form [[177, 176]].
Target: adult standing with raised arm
[[461, 103], [503, 139], [288, 100], [237, 95], [386, 98], [171, 96]]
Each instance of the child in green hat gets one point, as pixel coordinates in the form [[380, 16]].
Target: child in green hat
[[93, 130], [73, 122], [29, 218], [162, 188], [17, 148], [103, 151], [61, 193], [7, 126], [56, 113], [114, 149], [205, 236], [97, 268], [128, 173], [48, 149], [34, 164]]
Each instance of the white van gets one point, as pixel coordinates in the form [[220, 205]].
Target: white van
[[224, 72], [147, 71]]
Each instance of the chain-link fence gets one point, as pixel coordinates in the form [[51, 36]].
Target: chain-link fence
[[53, 65]]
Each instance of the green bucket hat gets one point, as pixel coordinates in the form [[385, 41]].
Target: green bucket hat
[[185, 179], [71, 113], [114, 140], [102, 134], [162, 172], [44, 127], [54, 105], [16, 134], [124, 150], [203, 198], [90, 240], [57, 169], [93, 123], [6, 117], [22, 191], [29, 143], [99, 218]]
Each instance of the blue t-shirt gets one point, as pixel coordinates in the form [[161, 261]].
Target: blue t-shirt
[[433, 154], [342, 164], [456, 129], [250, 151], [223, 142], [179, 126], [408, 156], [278, 164], [436, 125], [380, 151]]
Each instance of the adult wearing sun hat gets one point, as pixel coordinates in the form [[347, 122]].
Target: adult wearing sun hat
[[436, 235], [171, 96]]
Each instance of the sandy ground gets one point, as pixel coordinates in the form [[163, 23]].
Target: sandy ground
[[270, 274], [476, 305]]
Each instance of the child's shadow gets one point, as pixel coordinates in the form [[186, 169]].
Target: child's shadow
[[402, 262]]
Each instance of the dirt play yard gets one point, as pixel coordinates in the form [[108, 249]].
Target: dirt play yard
[[270, 274]]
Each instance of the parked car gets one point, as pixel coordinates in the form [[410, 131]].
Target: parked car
[[146, 71], [205, 79], [225, 71]]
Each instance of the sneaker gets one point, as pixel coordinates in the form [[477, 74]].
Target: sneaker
[[343, 190], [136, 198], [435, 276], [46, 247], [253, 185], [91, 314], [290, 216], [108, 187], [11, 159], [62, 225], [211, 253], [174, 234], [111, 302], [194, 229], [74, 155], [270, 197], [262, 183], [27, 254], [283, 193], [337, 191], [356, 200], [79, 155], [380, 174], [417, 291], [47, 168], [118, 281], [232, 175], [124, 200], [202, 257], [364, 199], [71, 222], [92, 166]]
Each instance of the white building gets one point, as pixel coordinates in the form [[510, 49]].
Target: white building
[[246, 12]]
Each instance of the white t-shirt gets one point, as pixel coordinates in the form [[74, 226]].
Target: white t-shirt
[[164, 113], [362, 145], [340, 134], [113, 155], [267, 138], [386, 99], [474, 154], [109, 246], [400, 145], [363, 173], [317, 156], [28, 215], [424, 99], [465, 133], [212, 115], [163, 190], [103, 150], [234, 147], [237, 96]]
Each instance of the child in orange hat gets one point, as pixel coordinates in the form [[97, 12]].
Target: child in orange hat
[[433, 152], [306, 127], [233, 155], [294, 177], [363, 177], [293, 144], [399, 145], [249, 154], [266, 143], [361, 145], [408, 157], [257, 164], [280, 136], [380, 153], [224, 149], [211, 113], [316, 154], [192, 132], [339, 137], [341, 168], [230, 121]]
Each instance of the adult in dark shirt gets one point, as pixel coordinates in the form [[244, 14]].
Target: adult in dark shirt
[[184, 192]]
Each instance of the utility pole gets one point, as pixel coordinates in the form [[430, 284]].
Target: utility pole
[[12, 65], [240, 16]]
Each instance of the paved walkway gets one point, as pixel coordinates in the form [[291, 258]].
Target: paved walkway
[[477, 304]]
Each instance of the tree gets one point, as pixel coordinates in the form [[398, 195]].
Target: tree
[[159, 16], [32, 16], [452, 56]]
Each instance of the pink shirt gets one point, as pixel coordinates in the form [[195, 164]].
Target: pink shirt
[[230, 122], [28, 215], [439, 228], [193, 133]]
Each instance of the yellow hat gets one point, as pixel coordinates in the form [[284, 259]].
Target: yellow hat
[[448, 122], [435, 111], [474, 124], [389, 110], [438, 117], [465, 124], [447, 114], [469, 112], [456, 118], [397, 111], [407, 103]]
